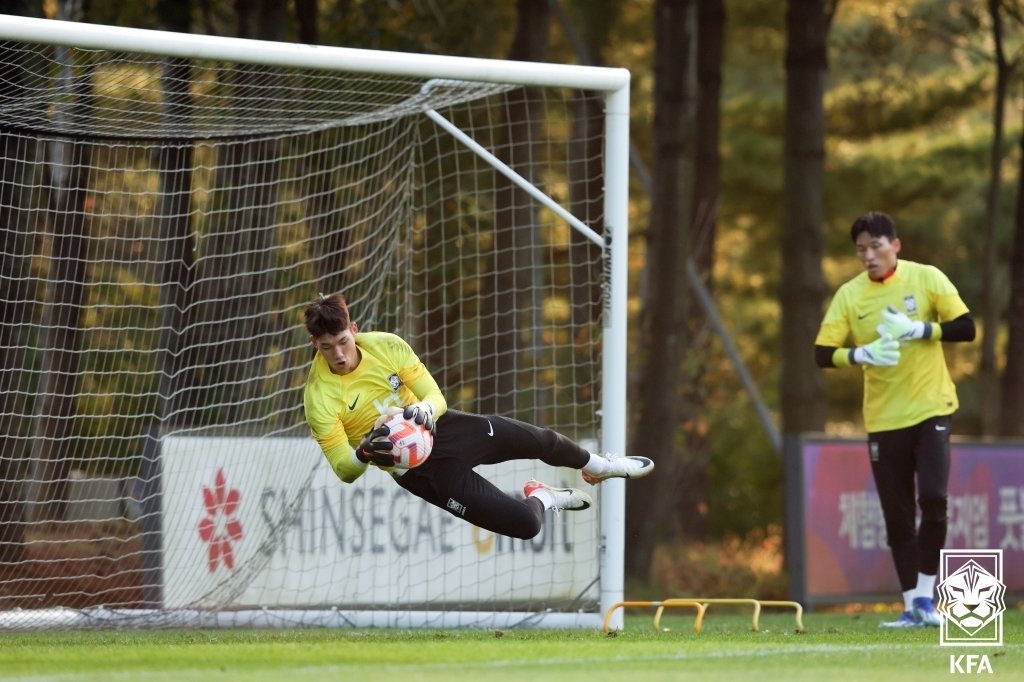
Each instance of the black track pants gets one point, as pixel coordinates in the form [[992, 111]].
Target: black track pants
[[461, 442], [897, 458]]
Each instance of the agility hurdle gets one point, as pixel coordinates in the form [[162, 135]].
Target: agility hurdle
[[701, 607]]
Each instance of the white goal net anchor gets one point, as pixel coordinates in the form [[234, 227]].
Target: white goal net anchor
[[170, 204]]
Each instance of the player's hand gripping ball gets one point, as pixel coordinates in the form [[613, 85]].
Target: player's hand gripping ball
[[411, 442]]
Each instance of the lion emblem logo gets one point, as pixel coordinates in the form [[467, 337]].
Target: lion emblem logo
[[971, 597]]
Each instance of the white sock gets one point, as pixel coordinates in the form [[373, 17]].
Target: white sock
[[545, 497], [925, 585], [908, 600], [597, 465]]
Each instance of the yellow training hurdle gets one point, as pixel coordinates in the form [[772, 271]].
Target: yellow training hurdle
[[701, 606]]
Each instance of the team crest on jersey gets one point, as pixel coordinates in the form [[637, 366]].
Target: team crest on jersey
[[910, 304], [394, 381]]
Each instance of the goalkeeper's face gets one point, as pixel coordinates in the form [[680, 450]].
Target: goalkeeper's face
[[339, 350], [878, 254]]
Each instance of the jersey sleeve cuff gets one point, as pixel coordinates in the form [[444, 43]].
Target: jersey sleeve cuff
[[842, 357]]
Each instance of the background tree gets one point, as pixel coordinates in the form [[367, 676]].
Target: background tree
[[504, 332], [653, 502], [1012, 393], [590, 36], [61, 326], [694, 390], [234, 246], [992, 293], [176, 164], [802, 291], [17, 170]]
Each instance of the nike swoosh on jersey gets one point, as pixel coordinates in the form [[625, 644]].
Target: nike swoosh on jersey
[[354, 403], [939, 427], [490, 428]]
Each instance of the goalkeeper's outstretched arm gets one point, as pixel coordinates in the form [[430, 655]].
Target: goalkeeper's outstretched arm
[[344, 460]]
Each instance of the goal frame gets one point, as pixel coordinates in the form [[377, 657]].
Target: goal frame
[[611, 83]]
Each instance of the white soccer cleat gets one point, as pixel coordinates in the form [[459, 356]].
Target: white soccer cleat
[[621, 467], [570, 499]]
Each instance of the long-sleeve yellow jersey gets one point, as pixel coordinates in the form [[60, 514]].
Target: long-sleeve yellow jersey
[[342, 409], [919, 386]]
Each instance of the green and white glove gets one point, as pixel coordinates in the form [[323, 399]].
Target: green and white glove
[[882, 352], [897, 325]]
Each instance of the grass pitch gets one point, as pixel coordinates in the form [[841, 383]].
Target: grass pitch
[[834, 647]]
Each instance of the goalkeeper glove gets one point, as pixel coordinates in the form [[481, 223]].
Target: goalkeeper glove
[[900, 327], [421, 413], [376, 448], [883, 352]]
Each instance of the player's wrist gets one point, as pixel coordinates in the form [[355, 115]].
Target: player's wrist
[[918, 330], [843, 357]]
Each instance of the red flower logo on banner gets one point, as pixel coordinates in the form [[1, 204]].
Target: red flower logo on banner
[[219, 529]]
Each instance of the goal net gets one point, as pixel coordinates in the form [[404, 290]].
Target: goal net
[[170, 204]]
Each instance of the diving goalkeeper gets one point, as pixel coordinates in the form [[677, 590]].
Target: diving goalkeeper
[[358, 376], [897, 312]]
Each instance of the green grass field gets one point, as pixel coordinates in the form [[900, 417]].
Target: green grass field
[[834, 647]]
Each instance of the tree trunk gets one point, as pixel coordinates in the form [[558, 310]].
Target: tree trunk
[[61, 326], [237, 255], [305, 15], [175, 213], [802, 244], [694, 502], [16, 248], [509, 287], [586, 176], [991, 291], [17, 241], [653, 502], [1012, 407]]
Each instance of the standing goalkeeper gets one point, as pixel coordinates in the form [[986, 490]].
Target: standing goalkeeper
[[357, 377], [897, 313]]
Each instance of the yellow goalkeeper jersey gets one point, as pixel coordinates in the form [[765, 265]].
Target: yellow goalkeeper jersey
[[919, 386], [341, 410]]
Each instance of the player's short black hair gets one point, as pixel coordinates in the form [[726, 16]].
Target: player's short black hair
[[327, 315], [876, 224]]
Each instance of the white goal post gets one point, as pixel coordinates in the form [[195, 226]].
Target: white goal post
[[170, 203]]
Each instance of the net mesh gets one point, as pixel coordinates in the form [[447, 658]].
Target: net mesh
[[165, 222]]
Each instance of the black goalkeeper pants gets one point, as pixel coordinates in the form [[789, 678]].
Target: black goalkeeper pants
[[898, 457], [463, 441]]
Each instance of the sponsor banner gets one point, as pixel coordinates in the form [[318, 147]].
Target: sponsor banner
[[847, 555], [265, 522]]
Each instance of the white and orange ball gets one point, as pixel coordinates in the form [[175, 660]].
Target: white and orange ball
[[411, 442]]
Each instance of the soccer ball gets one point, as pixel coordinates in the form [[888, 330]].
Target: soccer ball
[[411, 442]]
